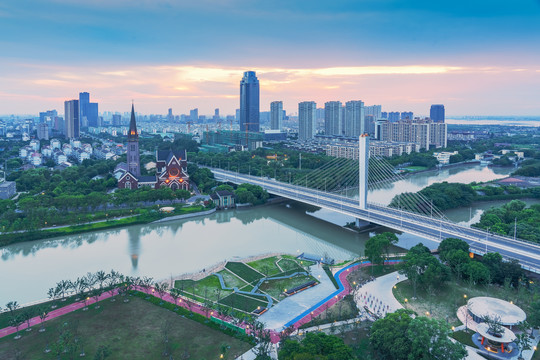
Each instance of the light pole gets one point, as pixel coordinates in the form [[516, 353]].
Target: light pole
[[515, 228], [487, 234]]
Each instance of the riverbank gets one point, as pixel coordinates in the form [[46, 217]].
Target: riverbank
[[145, 217]]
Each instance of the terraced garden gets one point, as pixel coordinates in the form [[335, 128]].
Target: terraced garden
[[245, 277]]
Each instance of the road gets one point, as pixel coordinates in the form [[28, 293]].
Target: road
[[435, 229]]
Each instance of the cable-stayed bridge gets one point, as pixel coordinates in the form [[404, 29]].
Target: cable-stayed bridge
[[330, 187]]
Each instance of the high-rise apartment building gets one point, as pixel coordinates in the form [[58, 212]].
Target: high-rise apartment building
[[375, 111], [436, 113], [194, 115], [394, 116], [88, 112], [333, 118], [354, 119], [438, 135], [43, 131], [407, 115], [276, 115], [422, 132], [116, 120], [307, 120], [249, 102], [71, 116]]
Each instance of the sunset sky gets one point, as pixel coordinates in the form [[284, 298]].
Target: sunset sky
[[476, 57]]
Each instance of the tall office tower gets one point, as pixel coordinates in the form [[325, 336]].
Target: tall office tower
[[307, 120], [374, 110], [276, 115], [133, 160], [72, 121], [43, 131], [237, 115], [92, 115], [194, 115], [355, 124], [407, 115], [43, 116], [333, 118], [384, 115], [84, 100], [170, 115], [249, 102], [436, 113], [216, 115], [393, 116], [59, 124]]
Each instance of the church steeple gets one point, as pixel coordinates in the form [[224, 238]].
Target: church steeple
[[133, 157], [133, 135]]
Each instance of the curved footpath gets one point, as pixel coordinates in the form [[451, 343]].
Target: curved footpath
[[343, 290]]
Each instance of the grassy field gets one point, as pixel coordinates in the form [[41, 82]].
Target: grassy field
[[133, 330], [275, 287], [464, 337], [243, 271], [204, 287], [244, 302], [288, 265], [266, 266], [231, 280]]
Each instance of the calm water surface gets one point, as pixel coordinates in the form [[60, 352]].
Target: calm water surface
[[163, 250]]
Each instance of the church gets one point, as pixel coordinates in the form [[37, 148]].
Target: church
[[171, 166]]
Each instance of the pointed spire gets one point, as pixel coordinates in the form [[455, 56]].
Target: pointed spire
[[132, 134]]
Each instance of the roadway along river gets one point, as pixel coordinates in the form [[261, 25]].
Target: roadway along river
[[27, 270]]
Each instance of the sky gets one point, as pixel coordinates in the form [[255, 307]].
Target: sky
[[476, 57]]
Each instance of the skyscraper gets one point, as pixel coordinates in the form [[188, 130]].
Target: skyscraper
[[194, 115], [84, 100], [71, 116], [436, 113], [355, 124], [307, 120], [276, 115], [333, 118], [133, 160], [249, 102]]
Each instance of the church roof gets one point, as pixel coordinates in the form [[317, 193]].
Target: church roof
[[147, 179], [166, 155]]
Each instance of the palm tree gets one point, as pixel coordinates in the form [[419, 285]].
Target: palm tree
[[27, 315], [161, 289], [101, 277], [43, 313], [175, 294], [16, 322], [12, 306]]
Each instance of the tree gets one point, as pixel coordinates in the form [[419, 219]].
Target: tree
[[450, 244], [161, 289], [430, 340], [43, 314], [523, 342], [457, 259], [27, 315], [476, 272], [388, 336], [415, 263], [102, 352], [316, 346], [16, 321]]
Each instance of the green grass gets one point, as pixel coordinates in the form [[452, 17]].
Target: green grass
[[231, 280], [243, 302], [330, 276], [288, 265], [205, 287], [463, 337], [243, 271], [415, 168], [275, 287], [266, 266], [131, 330]]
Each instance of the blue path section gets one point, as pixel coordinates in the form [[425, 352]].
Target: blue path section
[[341, 287]]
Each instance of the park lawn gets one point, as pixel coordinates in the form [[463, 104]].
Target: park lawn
[[131, 330], [247, 303], [288, 265], [231, 280], [304, 263], [464, 337], [444, 303], [206, 287], [364, 273], [266, 266], [415, 168], [344, 309], [274, 288], [244, 272]]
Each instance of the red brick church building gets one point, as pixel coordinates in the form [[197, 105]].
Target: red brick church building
[[171, 166]]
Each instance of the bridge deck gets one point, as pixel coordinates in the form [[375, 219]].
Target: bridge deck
[[528, 254]]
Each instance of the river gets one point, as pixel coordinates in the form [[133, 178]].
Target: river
[[163, 250]]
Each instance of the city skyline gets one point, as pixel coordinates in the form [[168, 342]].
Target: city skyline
[[477, 59]]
